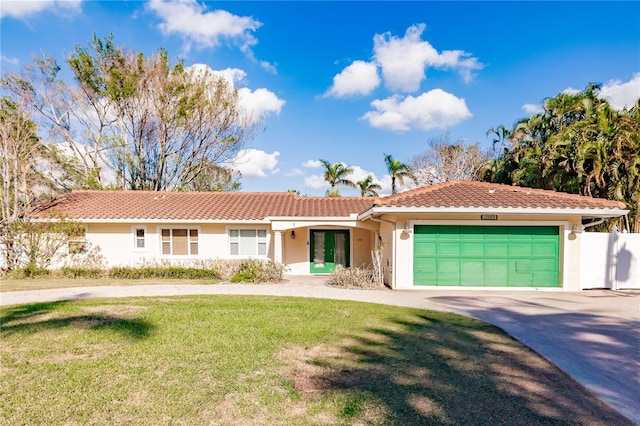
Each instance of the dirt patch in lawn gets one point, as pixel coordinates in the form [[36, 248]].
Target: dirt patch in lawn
[[408, 378]]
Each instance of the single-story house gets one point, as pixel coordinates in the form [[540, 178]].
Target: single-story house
[[456, 234]]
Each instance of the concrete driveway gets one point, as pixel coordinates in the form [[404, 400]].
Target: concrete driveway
[[591, 335]]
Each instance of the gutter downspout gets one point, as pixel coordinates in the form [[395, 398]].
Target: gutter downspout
[[590, 224], [393, 248]]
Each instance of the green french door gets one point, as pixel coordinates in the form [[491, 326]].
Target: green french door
[[510, 256], [328, 249]]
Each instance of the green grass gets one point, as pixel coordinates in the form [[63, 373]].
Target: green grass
[[268, 360]]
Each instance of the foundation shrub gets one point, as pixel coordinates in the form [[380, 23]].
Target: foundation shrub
[[162, 272], [354, 278], [80, 272], [258, 271]]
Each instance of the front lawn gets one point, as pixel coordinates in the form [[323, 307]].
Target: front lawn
[[240, 360], [45, 283]]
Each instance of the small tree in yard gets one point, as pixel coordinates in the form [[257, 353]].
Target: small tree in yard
[[42, 244], [30, 172]]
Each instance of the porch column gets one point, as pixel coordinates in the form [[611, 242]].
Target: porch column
[[277, 246]]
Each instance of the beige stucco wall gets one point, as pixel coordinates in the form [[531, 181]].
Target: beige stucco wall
[[116, 241], [296, 252], [399, 265]]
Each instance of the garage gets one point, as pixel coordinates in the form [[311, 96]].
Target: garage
[[486, 256]]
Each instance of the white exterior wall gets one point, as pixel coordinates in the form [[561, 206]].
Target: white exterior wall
[[117, 242], [610, 260], [569, 248]]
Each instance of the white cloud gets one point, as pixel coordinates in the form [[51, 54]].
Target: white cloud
[[232, 75], [433, 109], [258, 103], [385, 183], [255, 163], [532, 108], [191, 21], [316, 182], [359, 174], [570, 91], [404, 60], [22, 9], [10, 61], [293, 173], [359, 78], [313, 164], [622, 94]]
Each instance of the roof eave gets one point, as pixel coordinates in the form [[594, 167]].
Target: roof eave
[[591, 212], [159, 221]]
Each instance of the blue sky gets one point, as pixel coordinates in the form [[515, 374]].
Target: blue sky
[[351, 81]]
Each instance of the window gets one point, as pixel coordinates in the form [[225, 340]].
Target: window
[[76, 241], [139, 238], [180, 242], [77, 246], [248, 242]]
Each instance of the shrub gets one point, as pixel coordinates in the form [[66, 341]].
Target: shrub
[[165, 272], [79, 272], [257, 271], [226, 268], [354, 278], [30, 270]]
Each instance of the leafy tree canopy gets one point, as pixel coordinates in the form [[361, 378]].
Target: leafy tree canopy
[[578, 144]]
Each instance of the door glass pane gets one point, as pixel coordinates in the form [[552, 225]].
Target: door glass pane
[[318, 249], [339, 251], [180, 242]]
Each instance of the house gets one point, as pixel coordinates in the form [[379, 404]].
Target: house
[[457, 234]]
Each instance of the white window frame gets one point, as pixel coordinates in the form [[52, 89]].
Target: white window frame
[[266, 241], [173, 228], [134, 237]]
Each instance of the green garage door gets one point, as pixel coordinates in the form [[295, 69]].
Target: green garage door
[[516, 256]]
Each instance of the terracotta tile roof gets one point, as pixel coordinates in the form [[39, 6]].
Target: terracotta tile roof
[[152, 205], [490, 195]]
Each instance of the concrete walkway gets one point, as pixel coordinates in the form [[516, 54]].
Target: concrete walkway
[[591, 335]]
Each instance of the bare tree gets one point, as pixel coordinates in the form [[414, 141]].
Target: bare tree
[[30, 173], [134, 122], [445, 161]]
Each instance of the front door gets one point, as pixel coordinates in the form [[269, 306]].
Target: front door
[[329, 248]]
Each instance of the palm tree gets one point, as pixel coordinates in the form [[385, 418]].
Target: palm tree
[[368, 188], [501, 139], [398, 171], [336, 174]]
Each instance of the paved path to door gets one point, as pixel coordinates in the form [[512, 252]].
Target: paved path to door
[[591, 335]]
